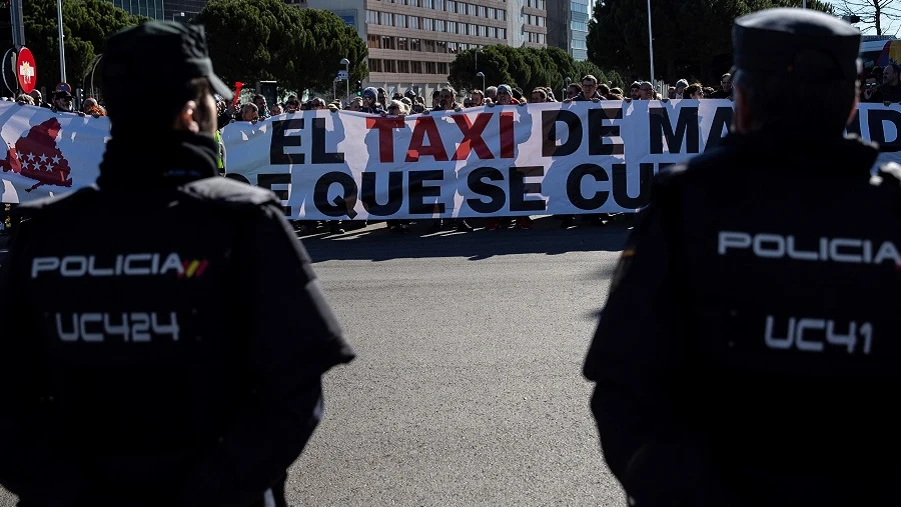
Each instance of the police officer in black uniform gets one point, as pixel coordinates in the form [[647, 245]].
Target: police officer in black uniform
[[748, 352], [164, 335]]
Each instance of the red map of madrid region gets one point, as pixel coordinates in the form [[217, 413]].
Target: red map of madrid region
[[36, 156]]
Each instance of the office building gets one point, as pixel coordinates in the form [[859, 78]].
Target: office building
[[412, 42], [559, 17], [183, 10], [151, 8], [170, 10], [532, 23], [568, 26]]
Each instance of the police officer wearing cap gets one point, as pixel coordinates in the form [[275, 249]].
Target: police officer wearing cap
[[164, 335], [748, 352]]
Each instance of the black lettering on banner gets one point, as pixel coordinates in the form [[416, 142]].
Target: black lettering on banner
[[280, 140], [621, 186], [722, 119], [495, 194], [320, 156], [597, 131], [876, 119], [342, 205], [686, 126], [574, 187], [418, 191], [519, 189], [238, 177], [854, 125], [267, 180], [395, 194], [549, 121]]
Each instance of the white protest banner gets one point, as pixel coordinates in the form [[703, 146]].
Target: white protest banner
[[538, 159], [493, 161], [46, 153]]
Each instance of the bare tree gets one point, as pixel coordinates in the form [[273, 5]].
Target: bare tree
[[871, 12]]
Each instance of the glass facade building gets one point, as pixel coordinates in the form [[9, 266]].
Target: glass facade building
[[171, 10], [174, 9], [568, 26], [150, 8], [580, 13]]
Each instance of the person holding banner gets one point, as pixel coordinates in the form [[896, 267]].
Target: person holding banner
[[164, 333], [748, 353]]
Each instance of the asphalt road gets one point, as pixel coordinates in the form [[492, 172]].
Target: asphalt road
[[467, 389]]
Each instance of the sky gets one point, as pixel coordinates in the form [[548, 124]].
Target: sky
[[889, 27]]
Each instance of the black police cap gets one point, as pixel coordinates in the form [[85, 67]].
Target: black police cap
[[787, 41], [159, 50]]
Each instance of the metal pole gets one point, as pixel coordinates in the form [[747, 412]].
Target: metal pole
[[347, 82], [17, 23], [804, 4], [94, 68], [334, 89], [651, 41], [62, 49], [483, 82], [12, 64]]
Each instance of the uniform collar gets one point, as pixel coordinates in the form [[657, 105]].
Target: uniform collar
[[167, 161], [805, 152]]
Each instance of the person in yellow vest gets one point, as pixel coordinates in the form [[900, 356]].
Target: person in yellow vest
[[220, 157]]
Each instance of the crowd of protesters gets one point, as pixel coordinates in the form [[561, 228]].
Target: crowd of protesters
[[881, 85], [374, 100], [61, 101]]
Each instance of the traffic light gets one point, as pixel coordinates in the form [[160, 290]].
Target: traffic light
[[359, 88]]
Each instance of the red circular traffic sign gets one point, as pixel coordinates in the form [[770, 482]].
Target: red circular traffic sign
[[26, 70]]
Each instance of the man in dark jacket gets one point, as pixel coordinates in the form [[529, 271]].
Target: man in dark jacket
[[164, 334], [748, 352]]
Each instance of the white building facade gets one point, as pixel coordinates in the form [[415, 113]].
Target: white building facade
[[412, 42]]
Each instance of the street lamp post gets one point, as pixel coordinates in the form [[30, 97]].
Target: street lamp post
[[346, 63], [482, 75], [651, 41], [93, 69], [62, 49]]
